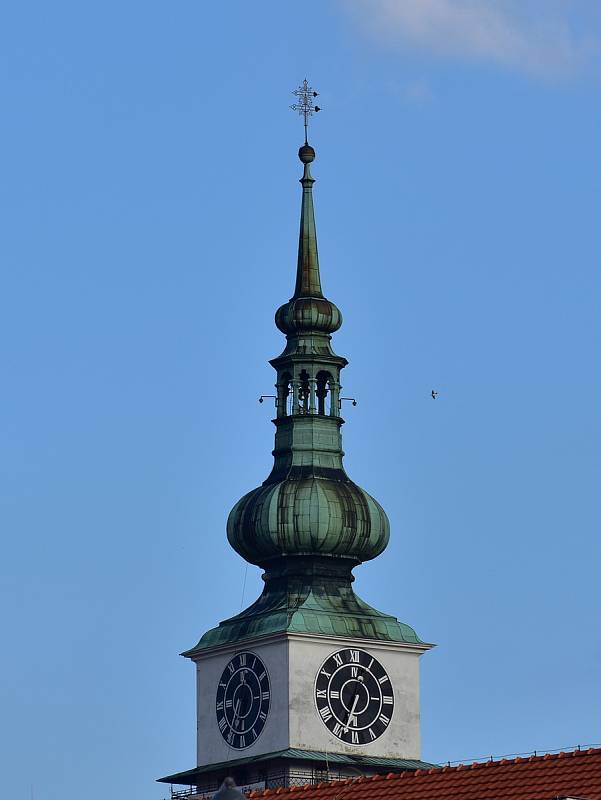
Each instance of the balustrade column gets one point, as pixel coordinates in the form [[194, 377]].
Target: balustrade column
[[282, 395], [296, 387], [312, 396], [334, 399]]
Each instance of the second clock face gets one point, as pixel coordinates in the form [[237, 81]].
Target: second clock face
[[243, 697], [354, 696]]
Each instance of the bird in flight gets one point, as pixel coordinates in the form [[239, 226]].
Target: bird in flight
[[434, 394]]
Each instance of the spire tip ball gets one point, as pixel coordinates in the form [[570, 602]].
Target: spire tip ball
[[306, 153]]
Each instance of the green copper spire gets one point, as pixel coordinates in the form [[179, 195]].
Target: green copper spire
[[308, 283], [308, 525], [308, 311]]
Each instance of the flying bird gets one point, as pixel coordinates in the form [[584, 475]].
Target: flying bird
[[434, 394]]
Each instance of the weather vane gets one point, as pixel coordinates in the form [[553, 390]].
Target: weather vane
[[305, 105]]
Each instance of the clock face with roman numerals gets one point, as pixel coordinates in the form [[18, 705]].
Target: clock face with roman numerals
[[354, 696], [243, 697]]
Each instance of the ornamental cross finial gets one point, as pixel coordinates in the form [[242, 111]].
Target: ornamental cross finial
[[305, 105]]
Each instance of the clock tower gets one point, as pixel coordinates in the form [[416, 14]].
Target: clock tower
[[309, 682]]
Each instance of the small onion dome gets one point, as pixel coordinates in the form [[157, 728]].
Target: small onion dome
[[308, 516], [308, 314]]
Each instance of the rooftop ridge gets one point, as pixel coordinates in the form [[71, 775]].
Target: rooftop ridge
[[517, 756]]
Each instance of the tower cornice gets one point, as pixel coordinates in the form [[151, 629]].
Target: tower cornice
[[301, 358]]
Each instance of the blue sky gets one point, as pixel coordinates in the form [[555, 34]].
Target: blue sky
[[149, 203]]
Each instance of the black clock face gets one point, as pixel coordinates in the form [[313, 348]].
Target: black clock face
[[354, 696], [243, 697]]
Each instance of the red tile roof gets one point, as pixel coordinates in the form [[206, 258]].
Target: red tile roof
[[575, 774]]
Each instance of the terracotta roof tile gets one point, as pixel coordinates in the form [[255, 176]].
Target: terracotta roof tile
[[545, 777]]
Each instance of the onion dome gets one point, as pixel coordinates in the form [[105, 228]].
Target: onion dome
[[304, 314], [308, 516], [308, 310]]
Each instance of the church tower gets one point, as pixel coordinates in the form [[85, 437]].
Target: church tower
[[309, 682]]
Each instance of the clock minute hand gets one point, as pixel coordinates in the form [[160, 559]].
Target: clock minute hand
[[351, 716], [236, 709]]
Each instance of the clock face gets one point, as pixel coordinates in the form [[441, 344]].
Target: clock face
[[354, 696], [243, 697]]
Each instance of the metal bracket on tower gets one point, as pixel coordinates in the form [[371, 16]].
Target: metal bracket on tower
[[348, 398]]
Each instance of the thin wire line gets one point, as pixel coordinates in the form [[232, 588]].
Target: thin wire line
[[243, 586], [538, 751]]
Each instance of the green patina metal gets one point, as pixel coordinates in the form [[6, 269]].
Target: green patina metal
[[309, 596], [191, 776], [308, 525]]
